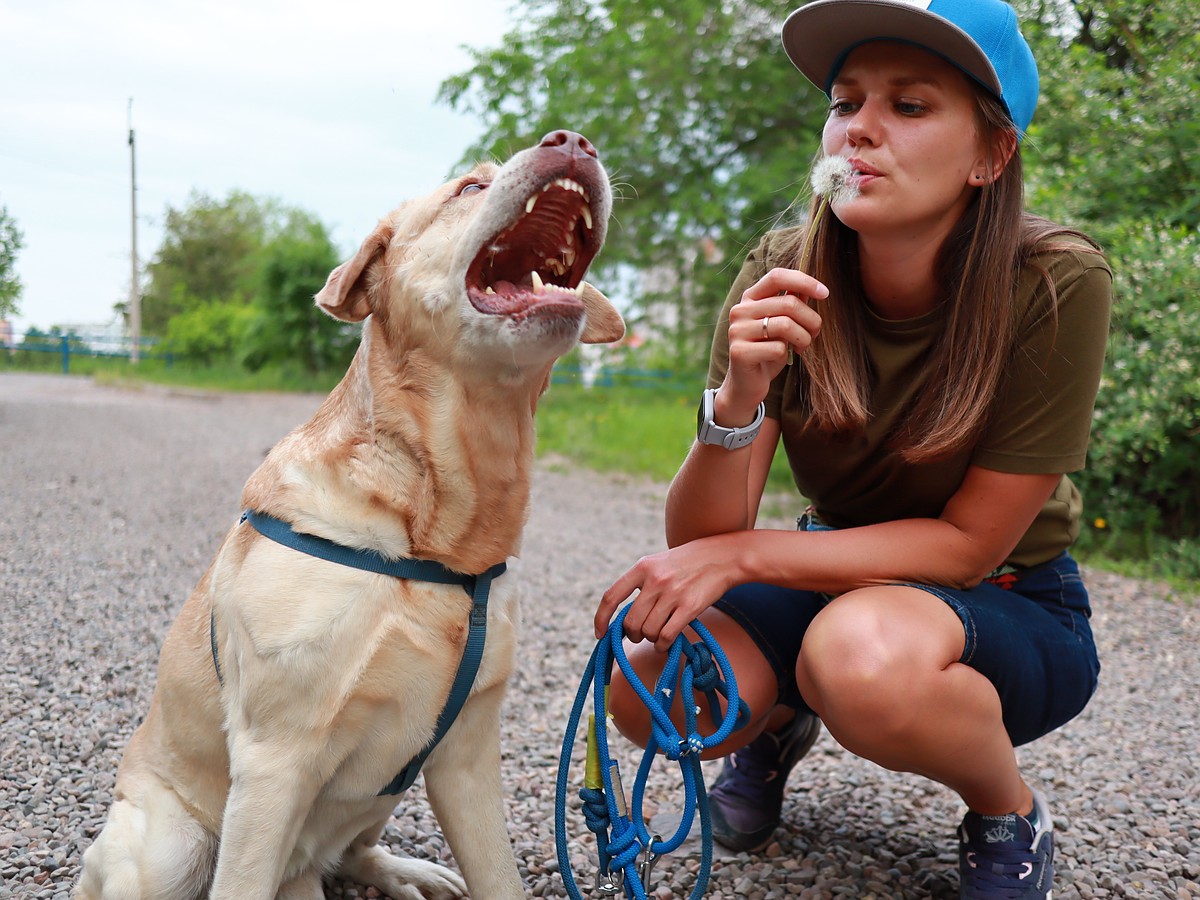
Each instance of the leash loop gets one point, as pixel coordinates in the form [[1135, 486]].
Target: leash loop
[[627, 851]]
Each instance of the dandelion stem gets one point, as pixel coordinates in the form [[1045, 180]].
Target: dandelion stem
[[832, 179]]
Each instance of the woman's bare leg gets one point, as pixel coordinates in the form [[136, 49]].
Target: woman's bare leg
[[880, 667]]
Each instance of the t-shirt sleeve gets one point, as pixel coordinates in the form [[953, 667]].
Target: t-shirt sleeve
[[1042, 417]]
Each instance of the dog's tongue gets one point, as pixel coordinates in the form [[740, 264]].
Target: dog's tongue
[[508, 299], [504, 298]]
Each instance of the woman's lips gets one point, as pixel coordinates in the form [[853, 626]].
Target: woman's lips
[[863, 172]]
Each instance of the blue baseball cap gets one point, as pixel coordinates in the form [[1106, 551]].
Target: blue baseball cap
[[981, 37]]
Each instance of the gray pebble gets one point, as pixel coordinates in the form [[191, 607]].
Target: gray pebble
[[115, 500]]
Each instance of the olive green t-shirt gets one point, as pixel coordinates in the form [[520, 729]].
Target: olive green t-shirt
[[1039, 423]]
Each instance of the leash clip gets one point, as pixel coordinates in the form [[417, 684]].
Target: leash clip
[[646, 869]]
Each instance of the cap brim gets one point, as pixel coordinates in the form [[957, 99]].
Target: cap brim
[[818, 36]]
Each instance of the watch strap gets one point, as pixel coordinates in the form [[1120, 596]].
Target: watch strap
[[709, 432]]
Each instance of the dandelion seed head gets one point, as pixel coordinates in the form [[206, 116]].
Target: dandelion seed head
[[833, 179]]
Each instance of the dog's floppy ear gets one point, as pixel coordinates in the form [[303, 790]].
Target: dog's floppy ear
[[347, 293], [604, 323]]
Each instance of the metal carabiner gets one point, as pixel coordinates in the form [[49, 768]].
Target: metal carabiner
[[609, 884], [649, 858]]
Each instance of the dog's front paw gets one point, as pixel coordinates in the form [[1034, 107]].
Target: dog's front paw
[[402, 879]]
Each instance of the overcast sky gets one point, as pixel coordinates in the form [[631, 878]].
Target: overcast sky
[[328, 106]]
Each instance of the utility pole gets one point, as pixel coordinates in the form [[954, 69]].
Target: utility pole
[[135, 295]]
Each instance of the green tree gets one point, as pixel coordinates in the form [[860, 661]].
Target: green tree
[[286, 325], [704, 125], [209, 254], [1116, 132], [11, 242], [708, 129]]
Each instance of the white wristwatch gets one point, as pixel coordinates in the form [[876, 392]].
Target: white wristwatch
[[709, 432]]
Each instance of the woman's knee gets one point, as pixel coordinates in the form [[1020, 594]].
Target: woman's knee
[[869, 652]]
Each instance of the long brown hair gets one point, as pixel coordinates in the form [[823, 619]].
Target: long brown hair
[[979, 265]]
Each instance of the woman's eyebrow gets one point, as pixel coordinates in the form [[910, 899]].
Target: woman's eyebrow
[[896, 81]]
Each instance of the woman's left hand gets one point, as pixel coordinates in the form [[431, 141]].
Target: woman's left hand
[[673, 588]]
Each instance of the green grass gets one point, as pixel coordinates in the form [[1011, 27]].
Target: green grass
[[1147, 557], [639, 431], [636, 430], [222, 378], [218, 377]]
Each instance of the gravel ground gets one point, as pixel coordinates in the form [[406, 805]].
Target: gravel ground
[[114, 501]]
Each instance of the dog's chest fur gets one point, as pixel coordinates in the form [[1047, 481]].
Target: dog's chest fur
[[372, 656]]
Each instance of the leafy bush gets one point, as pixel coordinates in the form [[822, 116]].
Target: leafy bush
[[286, 325], [1143, 473], [209, 333]]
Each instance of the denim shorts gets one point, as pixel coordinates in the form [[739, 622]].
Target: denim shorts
[[1027, 632]]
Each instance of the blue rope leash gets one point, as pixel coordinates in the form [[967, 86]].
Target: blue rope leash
[[621, 835]]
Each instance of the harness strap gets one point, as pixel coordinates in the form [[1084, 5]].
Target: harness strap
[[459, 690], [477, 587], [368, 560]]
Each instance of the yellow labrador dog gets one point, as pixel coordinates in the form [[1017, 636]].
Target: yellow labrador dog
[[292, 688]]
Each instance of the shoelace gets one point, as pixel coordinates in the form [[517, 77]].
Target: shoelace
[[995, 870], [750, 767]]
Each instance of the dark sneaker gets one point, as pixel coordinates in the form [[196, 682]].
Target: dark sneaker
[[1007, 856], [746, 800]]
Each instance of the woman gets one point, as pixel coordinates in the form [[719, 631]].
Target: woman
[[947, 352]]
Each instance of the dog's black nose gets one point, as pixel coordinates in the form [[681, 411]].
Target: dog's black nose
[[570, 142]]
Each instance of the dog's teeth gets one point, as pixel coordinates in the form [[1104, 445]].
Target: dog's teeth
[[488, 290], [587, 217], [530, 204], [568, 184], [538, 286]]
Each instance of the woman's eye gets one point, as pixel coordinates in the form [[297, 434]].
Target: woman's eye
[[841, 107], [473, 188], [910, 107]]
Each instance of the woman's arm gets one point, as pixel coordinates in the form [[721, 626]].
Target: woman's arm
[[979, 527], [716, 490]]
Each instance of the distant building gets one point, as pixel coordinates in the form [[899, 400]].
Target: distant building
[[6, 333], [100, 337]]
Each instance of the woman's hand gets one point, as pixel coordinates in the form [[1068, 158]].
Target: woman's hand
[[673, 588], [772, 316]]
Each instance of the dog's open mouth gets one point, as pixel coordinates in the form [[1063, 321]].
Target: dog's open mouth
[[541, 258]]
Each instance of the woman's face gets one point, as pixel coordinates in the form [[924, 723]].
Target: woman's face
[[906, 120]]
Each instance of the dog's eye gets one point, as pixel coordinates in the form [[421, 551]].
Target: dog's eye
[[473, 188]]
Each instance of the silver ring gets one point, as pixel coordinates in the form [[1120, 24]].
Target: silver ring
[[766, 322]]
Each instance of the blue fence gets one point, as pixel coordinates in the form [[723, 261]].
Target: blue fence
[[589, 375], [71, 345], [603, 376]]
